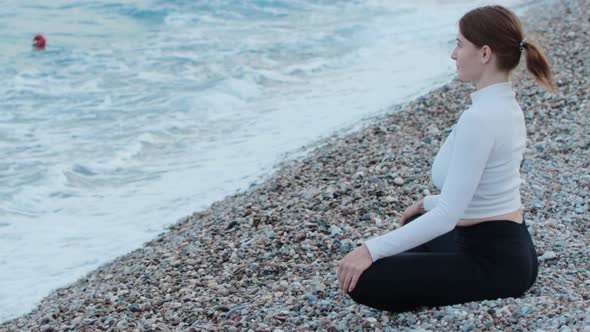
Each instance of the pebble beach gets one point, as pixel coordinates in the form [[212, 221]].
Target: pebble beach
[[265, 259]]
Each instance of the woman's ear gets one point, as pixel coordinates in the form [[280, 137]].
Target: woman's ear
[[486, 54]]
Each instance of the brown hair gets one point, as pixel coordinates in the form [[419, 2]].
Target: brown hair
[[501, 30]]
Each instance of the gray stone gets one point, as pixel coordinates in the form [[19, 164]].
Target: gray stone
[[134, 308], [548, 255]]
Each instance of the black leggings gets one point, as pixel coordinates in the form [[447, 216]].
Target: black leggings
[[489, 260]]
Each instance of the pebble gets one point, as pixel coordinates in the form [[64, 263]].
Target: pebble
[[311, 298], [390, 199], [335, 230], [134, 308], [234, 310], [548, 255]]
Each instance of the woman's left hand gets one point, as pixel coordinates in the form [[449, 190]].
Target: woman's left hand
[[352, 266]]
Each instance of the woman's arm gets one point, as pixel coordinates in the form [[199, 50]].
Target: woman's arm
[[430, 202], [473, 143]]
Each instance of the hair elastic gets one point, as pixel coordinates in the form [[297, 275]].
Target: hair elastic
[[523, 45]]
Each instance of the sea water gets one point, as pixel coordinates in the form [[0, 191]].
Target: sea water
[[140, 112]]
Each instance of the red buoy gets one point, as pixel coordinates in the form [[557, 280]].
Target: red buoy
[[39, 42]]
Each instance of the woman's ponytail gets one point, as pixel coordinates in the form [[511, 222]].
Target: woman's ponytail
[[537, 64], [500, 29]]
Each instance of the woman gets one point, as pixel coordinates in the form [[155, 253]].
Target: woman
[[470, 242]]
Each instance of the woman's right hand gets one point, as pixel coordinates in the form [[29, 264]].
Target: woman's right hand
[[414, 209]]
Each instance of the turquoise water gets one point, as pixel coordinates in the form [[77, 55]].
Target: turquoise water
[[141, 112]]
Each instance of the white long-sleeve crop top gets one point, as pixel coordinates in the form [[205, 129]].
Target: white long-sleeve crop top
[[477, 170]]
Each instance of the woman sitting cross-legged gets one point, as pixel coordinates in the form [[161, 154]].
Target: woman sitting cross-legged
[[470, 242]]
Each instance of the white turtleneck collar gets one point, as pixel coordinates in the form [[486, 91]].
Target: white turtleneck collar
[[494, 90]]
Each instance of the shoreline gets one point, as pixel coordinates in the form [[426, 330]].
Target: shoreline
[[265, 259]]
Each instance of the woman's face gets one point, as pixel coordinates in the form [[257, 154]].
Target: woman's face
[[467, 56]]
